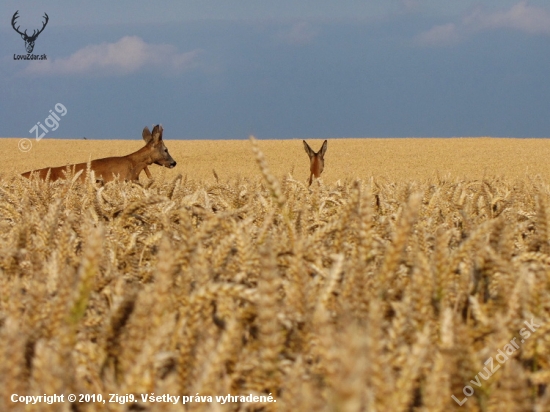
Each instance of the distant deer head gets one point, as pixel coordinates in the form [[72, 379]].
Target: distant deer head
[[316, 160], [29, 40]]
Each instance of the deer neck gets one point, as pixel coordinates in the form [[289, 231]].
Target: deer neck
[[142, 158], [316, 166]]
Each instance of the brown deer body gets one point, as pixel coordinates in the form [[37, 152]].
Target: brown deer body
[[126, 167], [316, 160]]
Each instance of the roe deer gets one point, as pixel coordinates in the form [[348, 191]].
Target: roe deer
[[316, 160], [126, 167]]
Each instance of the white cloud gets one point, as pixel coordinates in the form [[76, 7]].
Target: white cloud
[[410, 5], [298, 34], [439, 35], [522, 17], [127, 55]]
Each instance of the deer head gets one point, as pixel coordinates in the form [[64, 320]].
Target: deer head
[[159, 152], [316, 160], [29, 40]]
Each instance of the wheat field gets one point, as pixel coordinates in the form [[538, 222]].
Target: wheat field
[[414, 276], [391, 159]]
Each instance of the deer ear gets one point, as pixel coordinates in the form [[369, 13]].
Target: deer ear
[[308, 149], [323, 148], [157, 133], [160, 131], [146, 135]]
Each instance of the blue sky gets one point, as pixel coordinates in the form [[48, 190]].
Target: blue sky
[[218, 69]]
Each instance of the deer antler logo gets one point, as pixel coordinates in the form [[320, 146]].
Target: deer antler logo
[[29, 40]]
